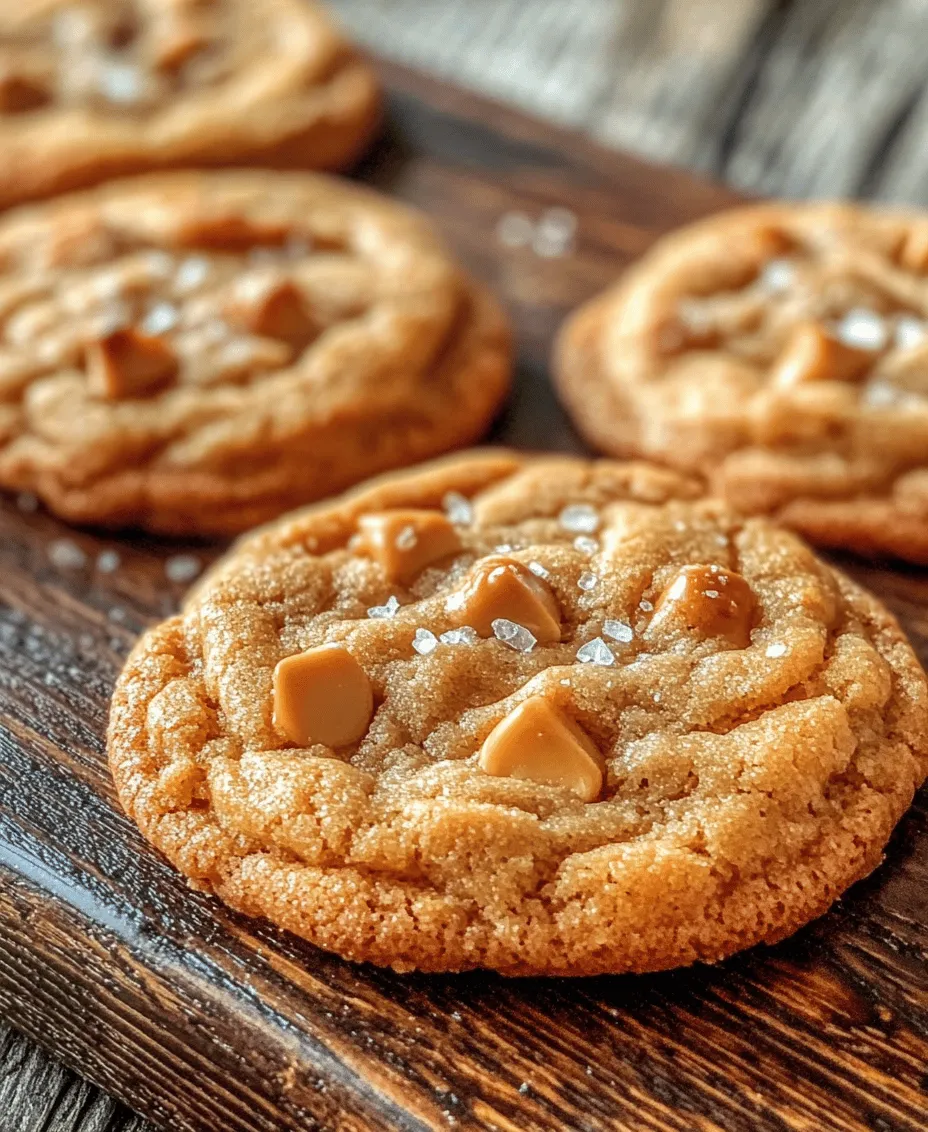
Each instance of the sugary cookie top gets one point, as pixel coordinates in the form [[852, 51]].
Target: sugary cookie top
[[137, 58], [780, 349], [204, 322], [513, 704]]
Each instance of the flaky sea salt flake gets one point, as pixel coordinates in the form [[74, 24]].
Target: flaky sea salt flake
[[424, 642], [407, 538], [66, 555], [385, 611], [618, 630], [458, 509], [181, 568], [579, 518], [516, 636], [596, 652]]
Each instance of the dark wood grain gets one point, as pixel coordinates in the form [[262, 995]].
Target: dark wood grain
[[206, 1022]]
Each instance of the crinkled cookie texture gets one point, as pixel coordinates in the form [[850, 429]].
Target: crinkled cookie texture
[[782, 352], [199, 352], [92, 89], [718, 741]]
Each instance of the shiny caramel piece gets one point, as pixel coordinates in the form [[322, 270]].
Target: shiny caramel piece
[[127, 364], [322, 696], [812, 354], [538, 742], [502, 587], [404, 542], [710, 601], [273, 308]]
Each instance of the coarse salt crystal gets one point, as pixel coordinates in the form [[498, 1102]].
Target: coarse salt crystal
[[618, 630], [910, 332], [585, 544], [108, 561], [516, 636], [645, 605], [407, 538], [503, 547], [587, 581], [385, 611], [596, 652], [515, 230], [121, 82], [161, 318], [458, 509], [578, 518], [463, 636], [424, 642], [778, 275], [711, 593], [538, 570], [864, 329], [66, 555], [191, 273], [182, 568], [777, 649]]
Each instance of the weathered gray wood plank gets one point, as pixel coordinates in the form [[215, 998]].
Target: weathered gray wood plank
[[793, 97]]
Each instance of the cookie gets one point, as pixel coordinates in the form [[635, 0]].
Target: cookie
[[542, 715], [198, 352], [782, 352], [100, 88]]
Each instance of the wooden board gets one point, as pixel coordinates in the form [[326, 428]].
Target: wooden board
[[207, 1022]]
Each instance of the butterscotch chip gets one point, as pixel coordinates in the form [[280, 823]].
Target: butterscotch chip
[[273, 307], [131, 86], [710, 601], [812, 354], [504, 588], [539, 743], [574, 809], [405, 541], [126, 364], [283, 337], [793, 386], [322, 696]]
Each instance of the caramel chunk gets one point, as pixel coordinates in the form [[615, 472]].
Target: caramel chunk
[[710, 601], [811, 354], [273, 308], [128, 364], [232, 233], [540, 743], [502, 587], [322, 696], [404, 542]]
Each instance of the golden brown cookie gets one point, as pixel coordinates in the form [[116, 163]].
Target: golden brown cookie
[[782, 352], [198, 352], [716, 742], [92, 89]]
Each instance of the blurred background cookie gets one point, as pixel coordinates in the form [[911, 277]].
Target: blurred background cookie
[[99, 88], [782, 352], [199, 352]]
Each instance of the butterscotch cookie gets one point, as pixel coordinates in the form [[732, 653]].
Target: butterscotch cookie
[[198, 352], [539, 715], [91, 89], [782, 352]]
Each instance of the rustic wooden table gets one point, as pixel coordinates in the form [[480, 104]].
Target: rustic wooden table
[[795, 97]]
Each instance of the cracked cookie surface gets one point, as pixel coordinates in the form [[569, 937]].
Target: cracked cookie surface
[[92, 89], [716, 741], [199, 352], [781, 351]]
